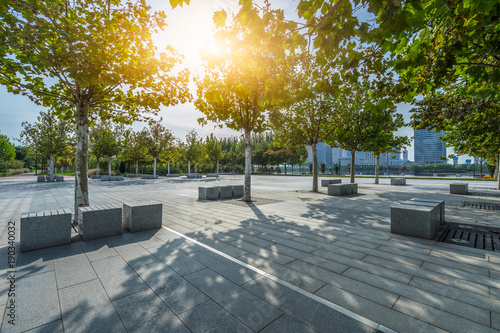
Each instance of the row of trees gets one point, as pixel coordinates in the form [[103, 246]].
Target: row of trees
[[103, 64]]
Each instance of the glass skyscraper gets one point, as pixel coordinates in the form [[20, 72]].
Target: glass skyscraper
[[428, 147]]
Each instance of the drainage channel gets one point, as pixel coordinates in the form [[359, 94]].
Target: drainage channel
[[481, 205], [478, 237]]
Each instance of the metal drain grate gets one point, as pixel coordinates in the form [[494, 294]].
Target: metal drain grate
[[481, 205], [478, 237], [485, 194], [484, 188]]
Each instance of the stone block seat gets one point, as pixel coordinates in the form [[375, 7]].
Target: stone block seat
[[420, 221], [95, 177], [40, 179], [139, 216], [225, 192], [459, 188], [326, 182], [238, 191], [398, 181], [439, 203], [208, 193], [172, 175], [342, 189], [45, 229], [149, 177], [99, 221]]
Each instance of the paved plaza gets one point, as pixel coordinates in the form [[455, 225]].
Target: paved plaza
[[291, 261]]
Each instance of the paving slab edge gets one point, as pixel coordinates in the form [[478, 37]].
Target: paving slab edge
[[377, 327]]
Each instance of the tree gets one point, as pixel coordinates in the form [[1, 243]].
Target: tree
[[241, 82], [194, 149], [336, 167], [134, 148], [103, 143], [48, 137], [381, 128], [100, 59], [157, 139], [322, 168], [172, 154], [7, 151], [214, 150], [308, 117]]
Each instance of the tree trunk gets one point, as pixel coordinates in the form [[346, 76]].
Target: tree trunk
[[377, 160], [168, 168], [217, 170], [154, 167], [137, 168], [51, 167], [97, 167], [189, 167], [196, 168], [248, 166], [353, 161], [315, 167], [109, 166], [498, 173], [81, 159]]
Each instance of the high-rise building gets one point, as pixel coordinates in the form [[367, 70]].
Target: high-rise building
[[323, 152], [428, 147]]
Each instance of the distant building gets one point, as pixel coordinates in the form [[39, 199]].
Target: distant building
[[324, 154], [428, 147], [455, 160]]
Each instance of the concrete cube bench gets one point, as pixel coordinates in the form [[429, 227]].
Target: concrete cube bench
[[398, 181], [173, 175], [138, 216], [413, 220], [100, 221], [120, 178], [459, 188], [40, 179], [226, 192], [149, 177], [95, 177], [238, 191], [105, 178], [45, 229], [342, 189], [439, 203], [208, 193], [192, 175], [326, 182]]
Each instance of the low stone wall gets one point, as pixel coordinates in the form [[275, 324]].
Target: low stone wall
[[398, 181]]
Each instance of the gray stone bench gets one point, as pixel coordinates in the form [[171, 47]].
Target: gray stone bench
[[112, 178], [95, 177], [138, 216], [342, 189], [238, 191], [149, 177], [415, 220], [173, 175], [459, 188], [439, 203], [100, 221], [326, 182], [220, 192], [208, 193], [192, 175], [398, 181], [45, 229], [40, 179]]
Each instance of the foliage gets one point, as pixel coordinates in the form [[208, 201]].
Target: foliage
[[88, 59], [241, 83], [133, 147], [7, 152]]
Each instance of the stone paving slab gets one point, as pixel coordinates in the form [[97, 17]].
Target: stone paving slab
[[336, 252]]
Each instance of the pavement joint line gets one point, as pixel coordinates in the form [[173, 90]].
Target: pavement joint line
[[316, 298]]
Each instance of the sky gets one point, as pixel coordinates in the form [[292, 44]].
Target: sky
[[189, 28]]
